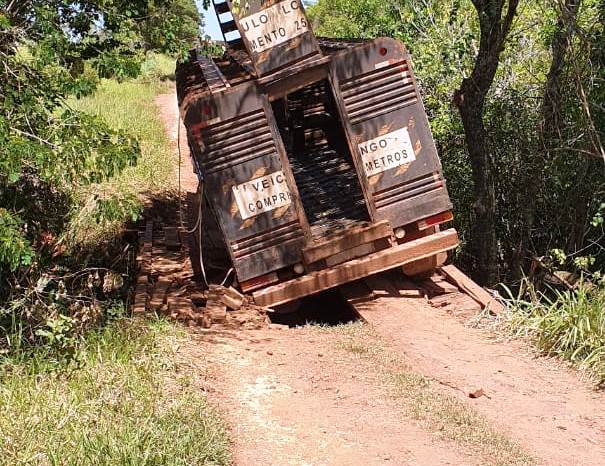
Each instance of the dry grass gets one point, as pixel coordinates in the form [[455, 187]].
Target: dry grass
[[420, 399]]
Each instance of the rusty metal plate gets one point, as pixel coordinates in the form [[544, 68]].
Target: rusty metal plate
[[389, 133], [249, 187], [275, 34]]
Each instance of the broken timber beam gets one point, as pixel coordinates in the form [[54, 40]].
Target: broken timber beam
[[476, 292], [355, 269]]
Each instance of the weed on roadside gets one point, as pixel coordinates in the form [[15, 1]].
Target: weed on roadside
[[125, 402], [567, 324]]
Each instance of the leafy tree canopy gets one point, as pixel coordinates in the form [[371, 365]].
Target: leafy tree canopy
[[50, 50]]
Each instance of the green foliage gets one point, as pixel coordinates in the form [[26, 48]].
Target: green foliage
[[172, 27], [70, 180], [128, 402], [91, 268], [15, 250], [569, 324]]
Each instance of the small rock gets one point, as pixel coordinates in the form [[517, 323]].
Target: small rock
[[477, 393]]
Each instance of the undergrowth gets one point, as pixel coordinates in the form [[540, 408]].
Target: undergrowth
[[567, 324], [82, 273], [122, 401]]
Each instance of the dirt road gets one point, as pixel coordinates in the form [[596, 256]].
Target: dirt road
[[394, 391]]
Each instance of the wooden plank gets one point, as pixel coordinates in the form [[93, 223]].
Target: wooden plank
[[232, 298], [352, 238], [358, 295], [171, 238], [347, 255], [139, 304], [474, 291], [419, 268], [436, 285], [158, 296], [386, 259]]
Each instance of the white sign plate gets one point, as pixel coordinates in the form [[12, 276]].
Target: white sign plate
[[262, 194], [388, 151], [274, 25]]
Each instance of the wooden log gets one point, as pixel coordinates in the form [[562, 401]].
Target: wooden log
[[232, 298], [463, 282], [355, 269]]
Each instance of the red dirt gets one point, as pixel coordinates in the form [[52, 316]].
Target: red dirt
[[537, 401], [167, 104], [291, 398]]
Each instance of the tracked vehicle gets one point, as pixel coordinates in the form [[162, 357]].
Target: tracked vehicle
[[316, 155]]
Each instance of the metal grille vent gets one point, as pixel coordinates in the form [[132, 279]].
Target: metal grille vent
[[407, 190], [236, 141], [379, 92], [278, 236]]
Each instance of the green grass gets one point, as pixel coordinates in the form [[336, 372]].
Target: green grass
[[125, 403], [128, 106], [435, 410], [569, 325]]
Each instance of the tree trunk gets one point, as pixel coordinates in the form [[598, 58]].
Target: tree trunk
[[470, 99], [561, 41], [484, 247]]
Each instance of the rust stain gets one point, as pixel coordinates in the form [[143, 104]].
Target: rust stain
[[247, 223], [262, 171], [374, 179], [417, 147], [280, 211], [234, 210], [385, 129], [294, 43], [402, 169], [411, 122]]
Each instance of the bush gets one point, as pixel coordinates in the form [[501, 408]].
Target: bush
[[568, 324], [64, 261]]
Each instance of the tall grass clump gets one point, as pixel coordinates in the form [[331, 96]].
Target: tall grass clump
[[567, 324]]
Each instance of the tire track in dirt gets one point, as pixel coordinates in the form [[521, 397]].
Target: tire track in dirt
[[536, 401], [291, 398]]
